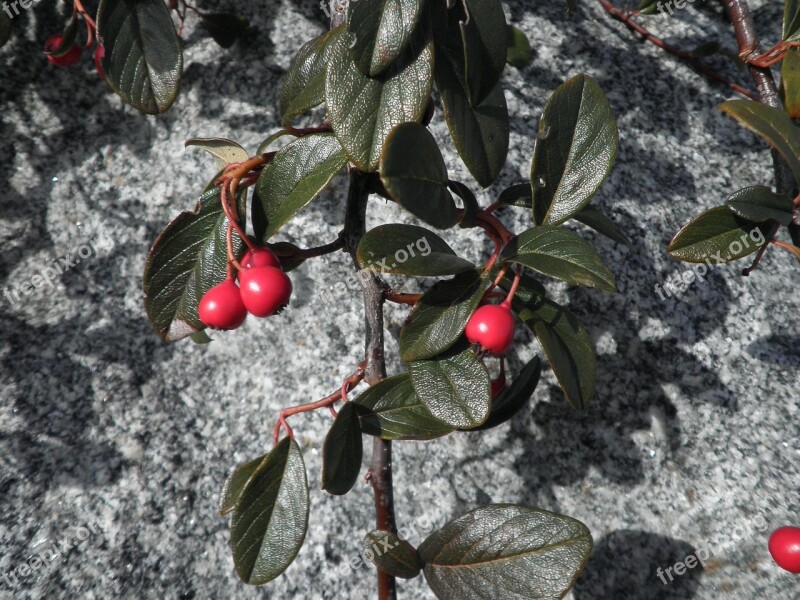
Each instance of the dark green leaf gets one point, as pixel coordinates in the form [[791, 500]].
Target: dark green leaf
[[409, 250], [304, 84], [574, 152], [288, 263], [68, 40], [759, 204], [382, 30], [187, 259], [598, 221], [224, 28], [649, 7], [271, 518], [392, 555], [201, 337], [363, 110], [439, 318], [717, 234], [296, 175], [791, 21], [528, 290], [773, 124], [790, 82], [342, 452], [224, 151], [506, 551], [236, 483], [520, 53], [414, 174], [392, 410], [562, 254], [454, 386], [511, 400], [519, 195], [143, 61], [484, 35], [262, 149], [5, 29], [470, 202], [567, 346]]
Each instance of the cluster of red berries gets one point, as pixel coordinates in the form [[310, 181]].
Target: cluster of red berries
[[73, 54], [265, 289], [492, 326], [784, 545]]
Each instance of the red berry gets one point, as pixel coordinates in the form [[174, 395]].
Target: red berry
[[260, 257], [498, 385], [99, 55], [265, 290], [492, 326], [68, 59], [784, 545], [222, 307]]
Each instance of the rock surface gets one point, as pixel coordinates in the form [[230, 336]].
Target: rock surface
[[117, 444]]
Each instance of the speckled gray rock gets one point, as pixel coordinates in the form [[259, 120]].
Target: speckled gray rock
[[118, 443]]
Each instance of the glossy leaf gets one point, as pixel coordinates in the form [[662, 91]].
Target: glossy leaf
[[224, 28], [236, 483], [790, 82], [382, 30], [470, 202], [425, 253], [575, 150], [511, 400], [506, 551], [439, 318], [392, 410], [5, 29], [224, 151], [772, 124], [295, 176], [649, 7], [717, 235], [760, 203], [791, 21], [271, 139], [363, 110], [567, 346], [454, 386], [519, 195], [270, 520], [392, 555], [342, 452], [591, 217], [561, 254], [143, 60], [187, 259], [484, 36], [201, 337], [520, 53], [304, 84]]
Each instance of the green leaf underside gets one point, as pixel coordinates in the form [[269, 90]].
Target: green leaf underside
[[566, 345], [511, 400], [363, 111], [518, 195], [484, 37], [791, 21], [575, 150], [428, 254], [454, 386], [304, 83], [506, 551], [392, 555], [414, 174], [790, 82], [187, 259], [772, 124], [382, 31], [342, 452], [718, 235], [392, 410], [296, 175], [561, 254], [143, 60], [236, 483], [439, 318], [469, 218], [592, 217], [759, 204], [224, 151], [270, 520], [520, 53]]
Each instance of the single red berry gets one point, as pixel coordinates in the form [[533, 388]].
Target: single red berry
[[222, 307], [265, 290], [99, 55], [492, 326], [498, 385], [68, 59], [260, 257], [784, 545]]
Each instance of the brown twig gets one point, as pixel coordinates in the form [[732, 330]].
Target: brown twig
[[401, 297]]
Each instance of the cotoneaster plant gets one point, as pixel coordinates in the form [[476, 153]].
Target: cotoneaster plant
[[382, 72]]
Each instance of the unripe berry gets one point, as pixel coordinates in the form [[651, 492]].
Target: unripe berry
[[265, 290], [68, 59], [222, 307], [260, 257], [784, 545], [99, 55], [492, 326]]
